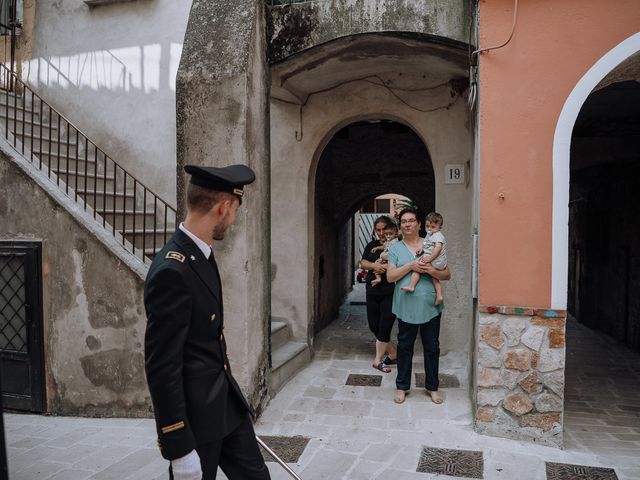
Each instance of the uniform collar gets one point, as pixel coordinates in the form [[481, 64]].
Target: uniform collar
[[204, 248]]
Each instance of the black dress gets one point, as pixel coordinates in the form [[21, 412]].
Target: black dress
[[379, 298]]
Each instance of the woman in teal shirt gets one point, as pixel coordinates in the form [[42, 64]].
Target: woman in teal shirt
[[415, 310]]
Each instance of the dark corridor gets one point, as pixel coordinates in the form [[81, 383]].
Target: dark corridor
[[361, 161], [604, 213]]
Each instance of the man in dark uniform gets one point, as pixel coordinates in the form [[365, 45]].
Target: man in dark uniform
[[202, 417]]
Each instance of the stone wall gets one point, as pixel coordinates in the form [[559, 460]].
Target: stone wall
[[93, 312], [519, 381], [222, 119], [297, 26], [448, 137]]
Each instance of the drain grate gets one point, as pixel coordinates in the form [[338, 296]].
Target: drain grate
[[288, 449], [359, 380], [565, 471], [445, 380], [455, 463]]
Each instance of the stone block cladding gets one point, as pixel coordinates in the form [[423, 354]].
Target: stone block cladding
[[519, 380]]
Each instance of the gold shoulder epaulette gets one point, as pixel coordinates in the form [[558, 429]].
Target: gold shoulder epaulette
[[175, 256]]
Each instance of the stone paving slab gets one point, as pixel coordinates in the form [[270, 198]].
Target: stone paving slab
[[396, 433], [358, 433]]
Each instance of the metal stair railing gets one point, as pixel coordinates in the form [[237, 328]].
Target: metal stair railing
[[124, 206]]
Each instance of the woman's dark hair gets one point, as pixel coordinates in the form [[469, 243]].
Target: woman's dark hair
[[404, 211], [388, 222]]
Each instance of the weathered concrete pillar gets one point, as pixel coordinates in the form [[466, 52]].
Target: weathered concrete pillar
[[222, 119]]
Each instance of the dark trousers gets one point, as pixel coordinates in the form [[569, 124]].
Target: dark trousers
[[429, 334], [379, 316], [237, 454]]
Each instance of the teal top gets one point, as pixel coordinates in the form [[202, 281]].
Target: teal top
[[417, 306]]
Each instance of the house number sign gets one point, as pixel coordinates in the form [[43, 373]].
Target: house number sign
[[454, 173]]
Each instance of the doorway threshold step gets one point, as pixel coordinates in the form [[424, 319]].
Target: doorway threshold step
[[286, 361], [280, 334]]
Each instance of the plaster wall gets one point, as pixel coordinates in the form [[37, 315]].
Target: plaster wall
[[447, 136], [111, 70], [332, 280], [222, 119], [529, 94], [297, 25], [94, 319], [524, 87]]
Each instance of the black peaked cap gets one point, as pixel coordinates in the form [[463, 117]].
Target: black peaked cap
[[224, 179]]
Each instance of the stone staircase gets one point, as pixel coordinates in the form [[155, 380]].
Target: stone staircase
[[118, 202], [287, 355], [121, 204]]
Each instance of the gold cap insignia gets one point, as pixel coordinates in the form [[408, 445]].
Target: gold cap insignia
[[175, 256], [213, 317]]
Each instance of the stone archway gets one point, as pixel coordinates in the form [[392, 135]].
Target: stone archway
[[341, 63], [603, 327], [408, 79], [561, 161], [536, 402], [604, 248], [362, 160]]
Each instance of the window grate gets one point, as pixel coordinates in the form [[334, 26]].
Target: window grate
[[13, 304]]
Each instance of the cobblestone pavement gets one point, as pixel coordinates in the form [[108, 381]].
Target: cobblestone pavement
[[358, 433], [602, 408]]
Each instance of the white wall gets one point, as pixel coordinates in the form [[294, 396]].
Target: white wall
[[111, 70]]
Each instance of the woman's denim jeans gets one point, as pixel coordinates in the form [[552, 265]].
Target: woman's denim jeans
[[429, 333]]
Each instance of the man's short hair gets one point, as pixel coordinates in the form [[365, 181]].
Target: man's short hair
[[202, 200], [435, 217]]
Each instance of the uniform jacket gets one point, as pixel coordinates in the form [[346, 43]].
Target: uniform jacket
[[194, 395]]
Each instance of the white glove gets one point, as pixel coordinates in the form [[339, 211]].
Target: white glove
[[187, 467]]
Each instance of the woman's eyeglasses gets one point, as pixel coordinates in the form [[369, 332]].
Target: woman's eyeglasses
[[408, 221]]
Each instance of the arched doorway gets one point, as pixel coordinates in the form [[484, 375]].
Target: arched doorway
[[403, 87], [603, 301], [362, 160], [604, 245]]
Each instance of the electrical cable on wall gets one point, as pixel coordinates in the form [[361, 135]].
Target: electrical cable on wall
[[454, 86], [299, 131], [513, 29], [473, 69]]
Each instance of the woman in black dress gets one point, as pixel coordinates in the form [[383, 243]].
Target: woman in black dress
[[380, 297]]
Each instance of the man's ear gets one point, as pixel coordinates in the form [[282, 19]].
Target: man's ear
[[223, 207]]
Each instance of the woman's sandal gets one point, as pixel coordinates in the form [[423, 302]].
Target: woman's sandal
[[387, 360], [400, 396], [382, 367]]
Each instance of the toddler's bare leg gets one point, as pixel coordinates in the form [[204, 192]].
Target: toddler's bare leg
[[438, 286], [415, 278], [376, 280]]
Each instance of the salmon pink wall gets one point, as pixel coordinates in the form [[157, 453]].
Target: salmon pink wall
[[523, 87]]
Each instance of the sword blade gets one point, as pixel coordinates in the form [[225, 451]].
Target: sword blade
[[278, 459]]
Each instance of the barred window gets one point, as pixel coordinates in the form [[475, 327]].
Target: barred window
[[11, 13]]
